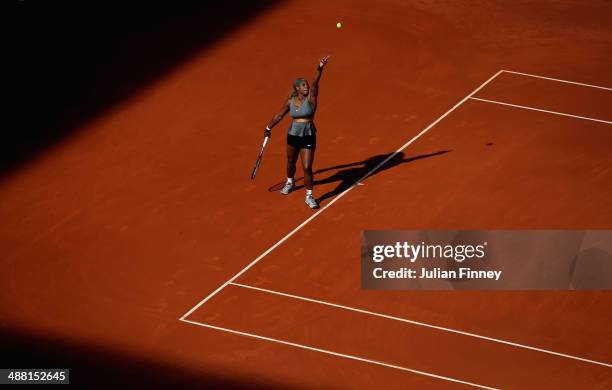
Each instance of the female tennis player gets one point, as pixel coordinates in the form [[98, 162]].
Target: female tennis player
[[301, 137]]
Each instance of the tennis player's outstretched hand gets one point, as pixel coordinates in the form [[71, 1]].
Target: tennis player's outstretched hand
[[323, 61]]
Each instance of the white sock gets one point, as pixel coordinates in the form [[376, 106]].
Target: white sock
[[290, 180], [308, 192]]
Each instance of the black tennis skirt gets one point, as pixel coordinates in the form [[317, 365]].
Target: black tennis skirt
[[305, 142]]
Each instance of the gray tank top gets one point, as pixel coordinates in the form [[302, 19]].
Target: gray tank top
[[304, 111]]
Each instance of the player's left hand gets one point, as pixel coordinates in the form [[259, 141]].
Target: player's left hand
[[323, 61]]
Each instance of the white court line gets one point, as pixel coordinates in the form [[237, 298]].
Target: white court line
[[541, 110], [559, 80], [338, 354], [389, 317], [264, 254]]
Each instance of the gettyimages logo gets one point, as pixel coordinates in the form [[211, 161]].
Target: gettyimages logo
[[486, 260], [411, 252]]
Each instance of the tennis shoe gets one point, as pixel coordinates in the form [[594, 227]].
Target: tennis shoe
[[311, 202], [287, 188]]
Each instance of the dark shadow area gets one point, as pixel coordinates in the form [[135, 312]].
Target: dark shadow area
[[355, 171], [103, 368], [70, 61]]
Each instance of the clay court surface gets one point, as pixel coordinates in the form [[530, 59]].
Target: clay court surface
[[139, 244]]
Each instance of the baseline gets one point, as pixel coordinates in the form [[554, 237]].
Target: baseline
[[264, 254]]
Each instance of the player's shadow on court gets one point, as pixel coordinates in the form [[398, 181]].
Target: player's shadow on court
[[349, 174]]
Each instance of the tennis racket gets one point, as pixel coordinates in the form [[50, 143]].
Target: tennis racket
[[256, 167]]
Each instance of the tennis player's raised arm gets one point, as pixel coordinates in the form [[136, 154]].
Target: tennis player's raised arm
[[277, 118], [317, 76]]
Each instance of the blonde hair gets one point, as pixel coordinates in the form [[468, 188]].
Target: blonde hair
[[296, 83]]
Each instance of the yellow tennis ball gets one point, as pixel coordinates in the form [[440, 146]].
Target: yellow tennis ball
[[338, 25]]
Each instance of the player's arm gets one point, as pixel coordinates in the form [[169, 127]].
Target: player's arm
[[315, 81], [277, 118]]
